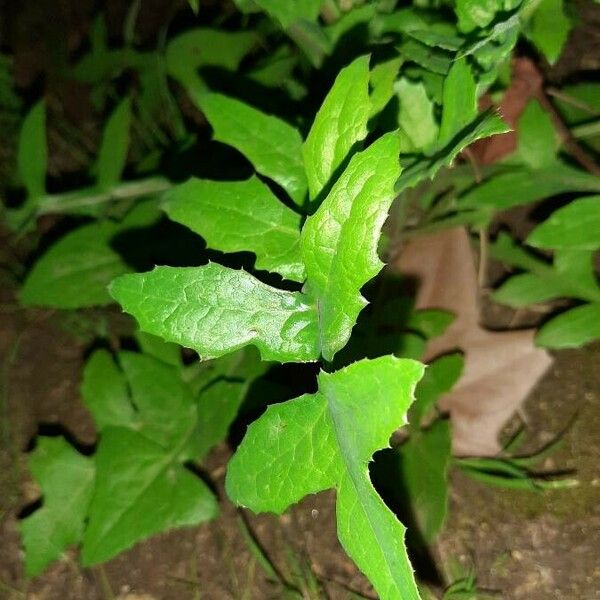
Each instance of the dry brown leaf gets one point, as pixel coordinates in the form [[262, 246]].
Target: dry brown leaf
[[501, 368]]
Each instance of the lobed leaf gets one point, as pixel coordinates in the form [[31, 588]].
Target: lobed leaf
[[339, 242], [216, 310], [66, 479], [235, 216], [325, 440], [273, 146]]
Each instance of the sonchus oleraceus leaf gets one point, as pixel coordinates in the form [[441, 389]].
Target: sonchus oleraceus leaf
[[66, 479], [235, 216], [142, 486], [339, 242], [325, 440]]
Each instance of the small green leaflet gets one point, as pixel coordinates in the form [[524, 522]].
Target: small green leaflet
[[66, 479], [112, 155], [459, 106], [339, 242], [273, 146], [141, 486], [521, 186], [550, 28], [381, 81], [424, 460], [415, 116], [340, 123], [571, 329], [485, 125], [76, 270], [325, 440], [575, 226], [32, 152], [216, 310], [571, 275], [538, 142], [235, 216]]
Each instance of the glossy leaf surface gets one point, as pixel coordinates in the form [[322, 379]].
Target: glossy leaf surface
[[325, 440]]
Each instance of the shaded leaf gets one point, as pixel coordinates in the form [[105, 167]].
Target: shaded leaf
[[76, 270], [235, 216], [289, 12], [550, 28], [571, 329], [325, 440], [112, 155], [32, 152], [576, 225], [66, 479], [538, 141], [273, 146]]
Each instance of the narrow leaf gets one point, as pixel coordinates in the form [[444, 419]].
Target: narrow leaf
[[339, 242], [576, 225], [325, 440], [32, 152], [459, 106], [571, 329], [273, 146], [340, 123], [235, 216], [114, 147], [216, 310]]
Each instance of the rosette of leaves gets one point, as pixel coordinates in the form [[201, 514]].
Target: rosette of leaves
[[155, 420], [337, 184]]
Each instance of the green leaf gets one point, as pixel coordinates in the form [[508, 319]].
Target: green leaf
[[476, 13], [415, 115], [288, 13], [167, 352], [76, 270], [66, 479], [340, 123], [538, 142], [273, 146], [459, 106], [440, 377], [382, 80], [435, 60], [339, 242], [550, 28], [485, 125], [112, 155], [430, 322], [424, 461], [142, 487], [576, 225], [523, 186], [32, 152], [235, 216], [527, 288], [104, 392], [325, 440], [216, 310], [571, 329], [202, 47], [220, 401]]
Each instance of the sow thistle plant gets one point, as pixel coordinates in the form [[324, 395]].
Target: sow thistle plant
[[155, 415]]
